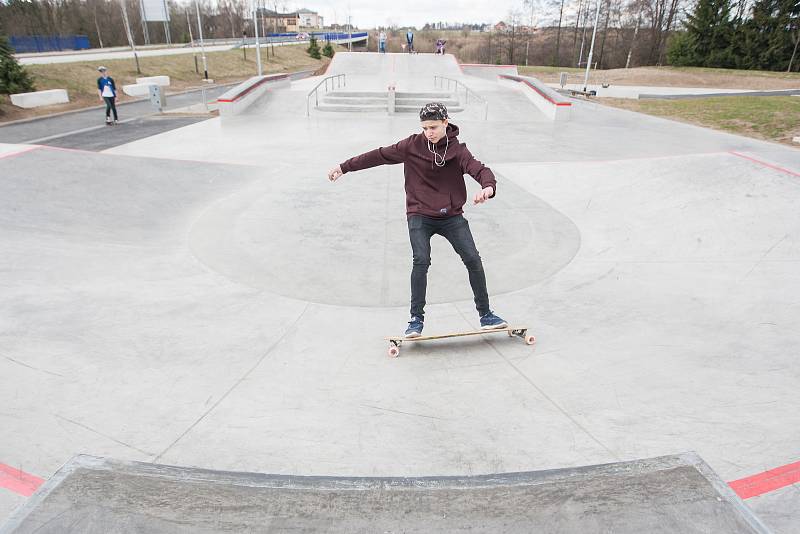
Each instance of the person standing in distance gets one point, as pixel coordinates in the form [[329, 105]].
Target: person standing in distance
[[382, 42], [434, 165], [107, 90], [410, 41]]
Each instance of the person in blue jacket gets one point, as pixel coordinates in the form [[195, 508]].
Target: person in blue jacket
[[107, 90], [410, 41]]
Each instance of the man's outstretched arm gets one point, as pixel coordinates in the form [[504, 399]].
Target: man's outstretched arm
[[388, 155], [482, 174]]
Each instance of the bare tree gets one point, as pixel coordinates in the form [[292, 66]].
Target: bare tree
[[556, 54]]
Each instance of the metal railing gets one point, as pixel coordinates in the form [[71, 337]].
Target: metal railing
[[203, 90], [337, 80], [439, 82]]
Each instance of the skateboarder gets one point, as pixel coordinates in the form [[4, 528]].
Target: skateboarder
[[107, 90], [434, 164]]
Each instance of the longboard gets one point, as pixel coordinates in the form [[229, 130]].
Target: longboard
[[513, 331]]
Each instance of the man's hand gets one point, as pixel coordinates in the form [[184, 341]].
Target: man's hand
[[335, 173], [484, 195]]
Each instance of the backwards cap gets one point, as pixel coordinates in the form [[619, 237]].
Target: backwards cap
[[433, 111]]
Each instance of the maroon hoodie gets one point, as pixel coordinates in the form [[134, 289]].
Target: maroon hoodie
[[430, 190]]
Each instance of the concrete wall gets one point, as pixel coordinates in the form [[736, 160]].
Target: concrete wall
[[552, 104], [162, 81], [238, 99], [40, 98], [136, 89]]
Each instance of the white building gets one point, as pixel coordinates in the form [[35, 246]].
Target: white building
[[310, 19]]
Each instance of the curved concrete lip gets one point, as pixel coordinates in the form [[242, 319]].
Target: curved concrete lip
[[677, 493]]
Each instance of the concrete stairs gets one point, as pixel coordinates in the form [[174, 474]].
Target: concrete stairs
[[371, 101]]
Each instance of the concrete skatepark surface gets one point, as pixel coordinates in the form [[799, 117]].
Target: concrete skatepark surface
[[205, 298]]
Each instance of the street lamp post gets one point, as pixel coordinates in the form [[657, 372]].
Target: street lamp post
[[591, 48], [202, 45], [258, 45]]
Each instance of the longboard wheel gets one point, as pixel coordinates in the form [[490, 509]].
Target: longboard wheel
[[510, 333], [530, 340], [394, 352]]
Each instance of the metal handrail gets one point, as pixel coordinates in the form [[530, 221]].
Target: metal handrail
[[203, 89], [437, 82], [340, 79]]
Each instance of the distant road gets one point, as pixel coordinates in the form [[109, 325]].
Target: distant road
[[126, 53], [43, 59]]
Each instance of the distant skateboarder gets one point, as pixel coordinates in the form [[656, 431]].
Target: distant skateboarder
[[440, 46], [434, 164], [410, 41], [107, 90]]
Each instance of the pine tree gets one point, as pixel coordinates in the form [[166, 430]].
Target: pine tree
[[770, 35], [13, 76], [327, 50], [313, 48], [710, 32]]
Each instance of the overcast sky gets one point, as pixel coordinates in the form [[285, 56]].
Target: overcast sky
[[370, 14]]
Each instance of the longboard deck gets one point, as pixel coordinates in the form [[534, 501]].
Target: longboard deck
[[512, 331]]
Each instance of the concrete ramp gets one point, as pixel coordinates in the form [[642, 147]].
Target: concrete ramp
[[666, 494], [375, 71]]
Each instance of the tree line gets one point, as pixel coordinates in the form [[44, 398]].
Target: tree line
[[718, 33], [749, 34], [102, 21]]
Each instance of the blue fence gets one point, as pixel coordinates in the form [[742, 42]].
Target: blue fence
[[322, 36], [48, 43]]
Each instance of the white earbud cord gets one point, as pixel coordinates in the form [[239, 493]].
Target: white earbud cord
[[437, 159]]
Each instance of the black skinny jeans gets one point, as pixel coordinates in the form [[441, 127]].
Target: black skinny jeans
[[110, 106], [456, 230]]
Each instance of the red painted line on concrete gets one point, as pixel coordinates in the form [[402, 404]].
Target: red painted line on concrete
[[771, 480], [19, 481], [18, 152], [764, 163], [62, 149]]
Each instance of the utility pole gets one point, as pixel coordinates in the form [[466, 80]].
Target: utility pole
[[166, 22], [130, 35], [258, 45], [202, 45], [591, 48], [191, 38]]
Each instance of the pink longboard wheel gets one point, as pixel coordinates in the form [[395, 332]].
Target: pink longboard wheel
[[530, 340], [394, 352]]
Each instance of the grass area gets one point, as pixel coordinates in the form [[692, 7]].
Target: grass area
[[80, 78], [541, 69], [773, 118], [732, 72], [674, 77]]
